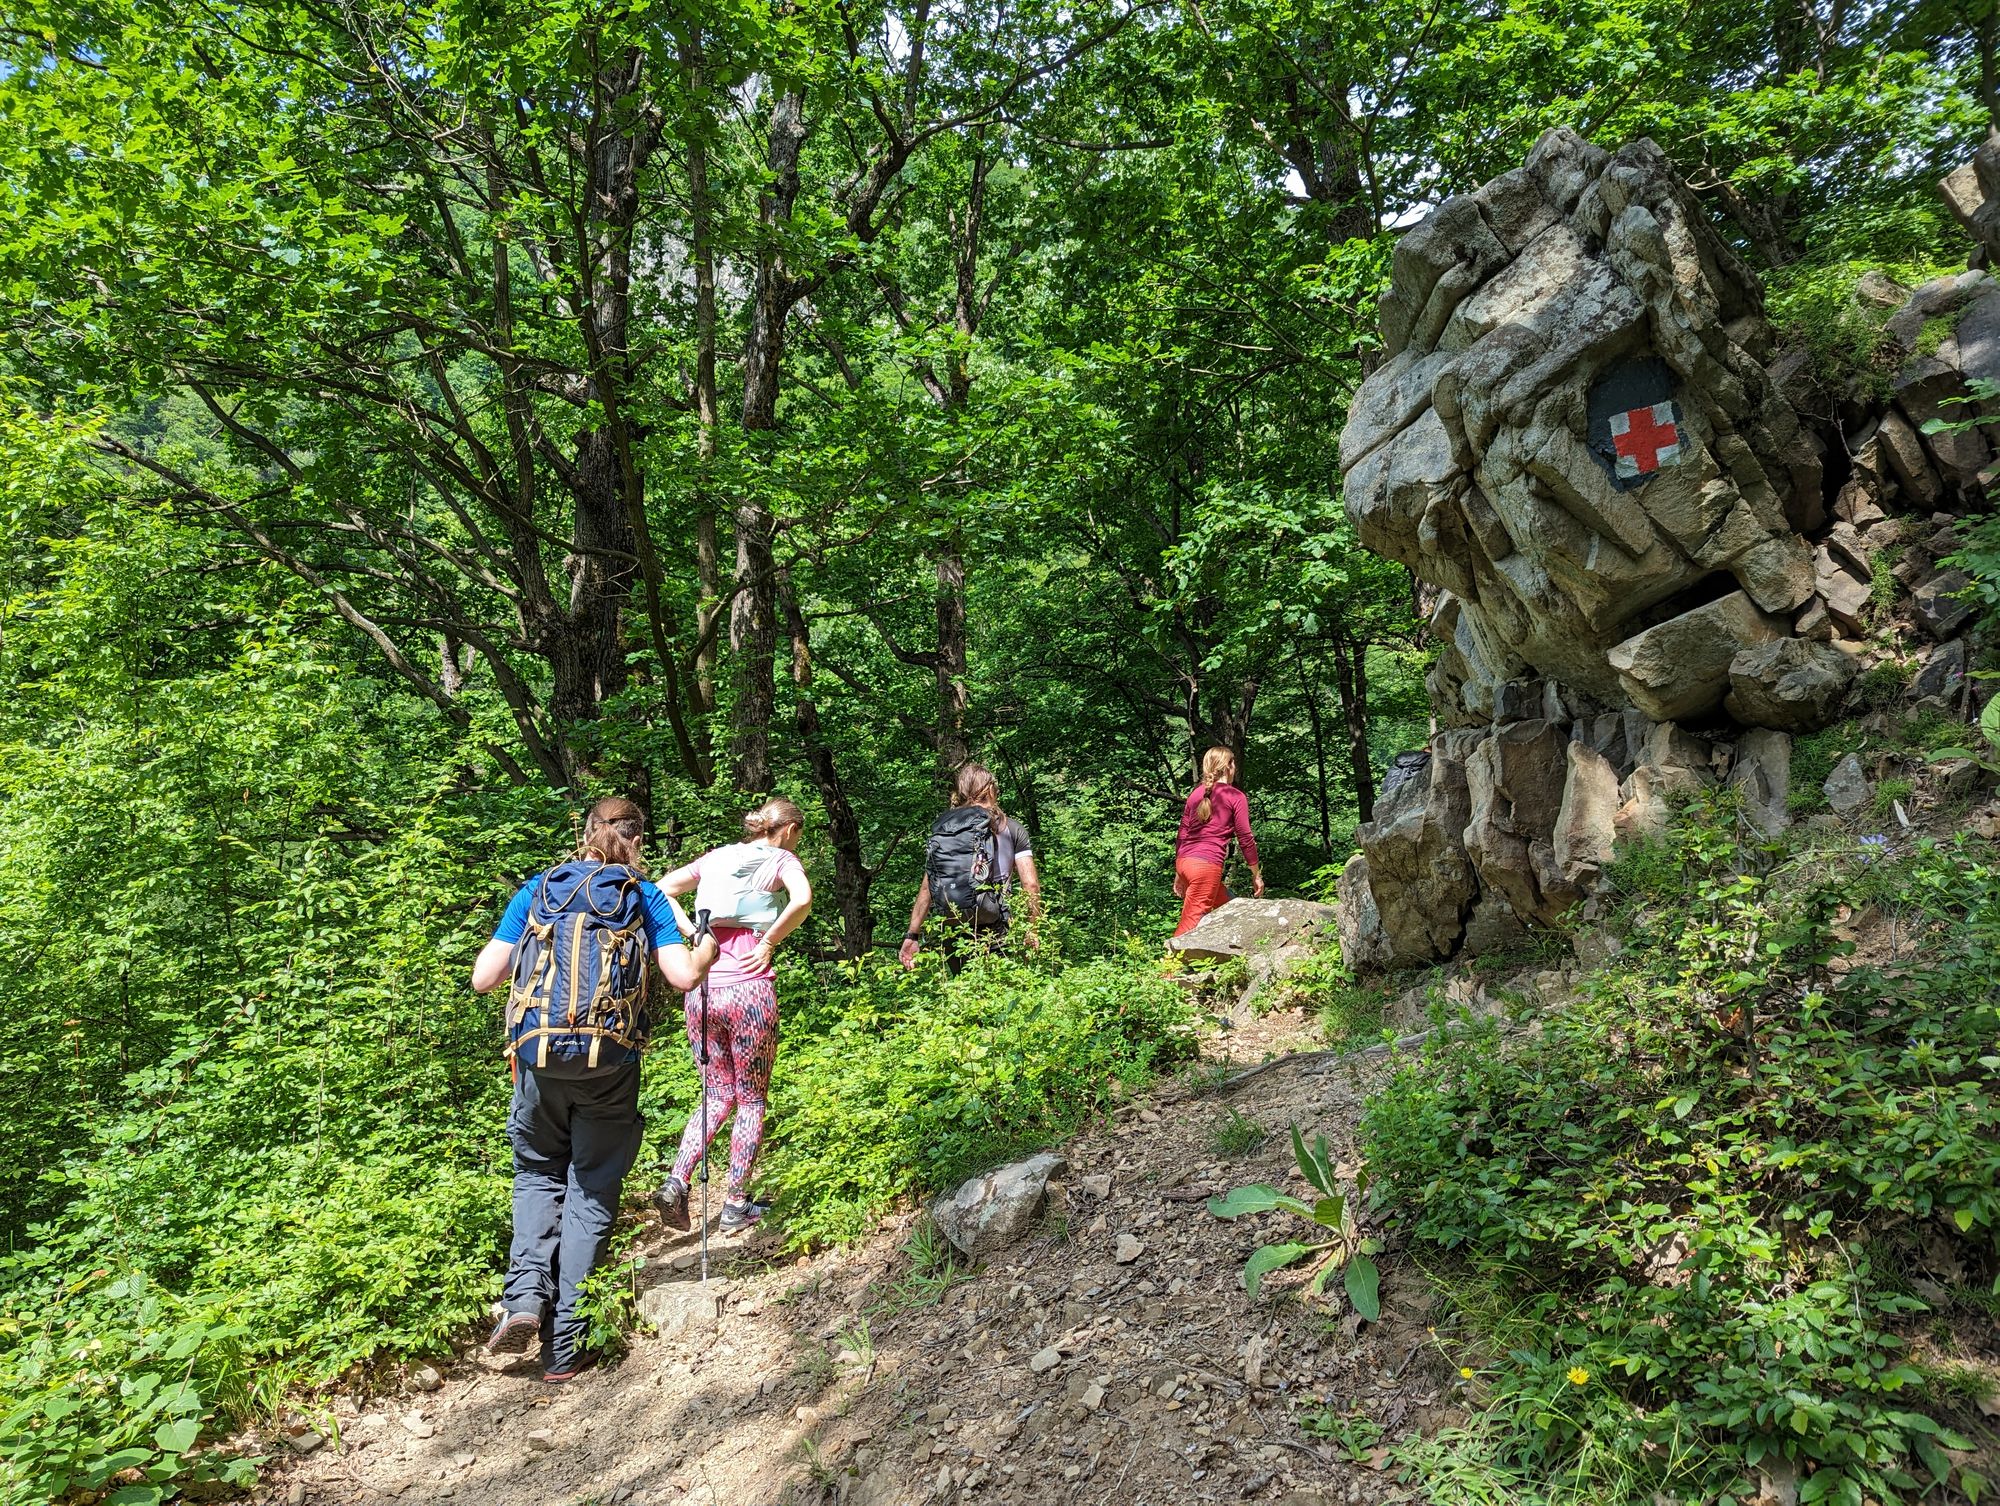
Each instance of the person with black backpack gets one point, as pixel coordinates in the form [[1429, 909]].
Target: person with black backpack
[[976, 854], [574, 944]]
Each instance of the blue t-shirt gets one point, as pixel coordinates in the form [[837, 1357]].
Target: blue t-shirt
[[661, 927]]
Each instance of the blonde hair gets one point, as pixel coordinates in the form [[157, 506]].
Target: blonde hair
[[1218, 766], [613, 832], [974, 784], [773, 815]]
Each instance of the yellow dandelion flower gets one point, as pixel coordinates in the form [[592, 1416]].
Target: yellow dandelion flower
[[1578, 1375], [1466, 1371]]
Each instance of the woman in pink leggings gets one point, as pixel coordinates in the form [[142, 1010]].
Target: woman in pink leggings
[[744, 879]]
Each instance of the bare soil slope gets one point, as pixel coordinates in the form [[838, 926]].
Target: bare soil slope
[[1057, 1373]]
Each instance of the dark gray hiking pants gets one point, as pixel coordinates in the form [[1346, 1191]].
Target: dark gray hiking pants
[[574, 1139]]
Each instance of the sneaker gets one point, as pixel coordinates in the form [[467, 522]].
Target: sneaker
[[739, 1216], [671, 1199], [513, 1333], [582, 1360]]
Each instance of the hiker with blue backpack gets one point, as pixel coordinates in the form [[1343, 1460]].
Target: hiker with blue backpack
[[754, 893], [975, 856], [574, 944]]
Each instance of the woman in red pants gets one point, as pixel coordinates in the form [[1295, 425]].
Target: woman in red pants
[[1216, 814]]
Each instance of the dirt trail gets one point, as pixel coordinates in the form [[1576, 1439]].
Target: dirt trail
[[844, 1378]]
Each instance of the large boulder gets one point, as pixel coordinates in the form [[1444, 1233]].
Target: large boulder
[[1680, 667], [1587, 824], [1246, 926], [990, 1212], [1364, 945], [1571, 428], [1789, 684], [1516, 780], [1973, 195], [1419, 872], [1762, 775]]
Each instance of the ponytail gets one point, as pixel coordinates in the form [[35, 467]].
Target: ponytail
[[774, 814], [613, 832], [1218, 766]]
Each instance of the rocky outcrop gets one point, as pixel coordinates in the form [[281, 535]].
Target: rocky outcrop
[[1656, 546], [1973, 195], [1572, 434], [1789, 684]]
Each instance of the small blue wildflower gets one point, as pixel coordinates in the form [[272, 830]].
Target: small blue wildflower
[[1873, 847]]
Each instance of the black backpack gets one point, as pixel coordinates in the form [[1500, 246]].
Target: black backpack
[[970, 867]]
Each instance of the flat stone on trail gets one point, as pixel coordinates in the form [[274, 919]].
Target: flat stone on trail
[[989, 1212], [541, 1440], [676, 1305], [1130, 1248], [1044, 1361], [417, 1425], [1098, 1187], [1249, 925]]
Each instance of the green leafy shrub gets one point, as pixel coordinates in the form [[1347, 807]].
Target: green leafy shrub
[[110, 1386], [1672, 1181], [909, 1082]]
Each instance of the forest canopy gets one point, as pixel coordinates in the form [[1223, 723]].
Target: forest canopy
[[420, 418]]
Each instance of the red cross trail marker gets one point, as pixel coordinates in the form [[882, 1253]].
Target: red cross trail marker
[[1645, 439]]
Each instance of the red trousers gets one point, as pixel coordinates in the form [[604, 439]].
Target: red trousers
[[1202, 890]]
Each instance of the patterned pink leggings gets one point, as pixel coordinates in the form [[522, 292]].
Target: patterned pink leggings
[[742, 1044]]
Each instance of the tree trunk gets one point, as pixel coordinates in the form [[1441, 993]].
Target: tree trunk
[[586, 645], [1321, 795], [851, 874], [949, 667], [707, 546], [1350, 673], [753, 618]]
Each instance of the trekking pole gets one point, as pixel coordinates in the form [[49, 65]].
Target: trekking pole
[[700, 930]]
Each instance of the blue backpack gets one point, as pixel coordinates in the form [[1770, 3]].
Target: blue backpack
[[580, 970]]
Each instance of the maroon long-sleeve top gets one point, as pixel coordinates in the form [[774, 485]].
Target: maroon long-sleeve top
[[1228, 816]]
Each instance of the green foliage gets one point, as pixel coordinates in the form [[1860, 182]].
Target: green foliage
[[1349, 1010], [1813, 758], [1356, 1434], [1344, 1249], [1987, 754], [1236, 1134], [1672, 1181], [1891, 792], [109, 1380], [895, 1082], [1880, 687]]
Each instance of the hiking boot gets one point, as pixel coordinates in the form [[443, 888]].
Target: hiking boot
[[737, 1217], [513, 1333], [671, 1199], [582, 1360]]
